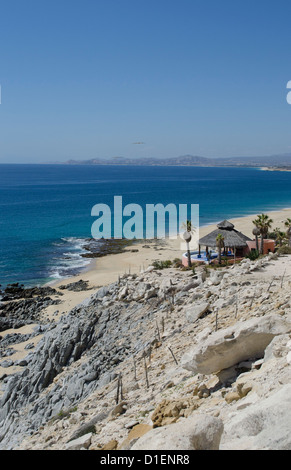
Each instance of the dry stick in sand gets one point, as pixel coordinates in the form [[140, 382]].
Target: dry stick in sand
[[173, 355], [158, 331], [118, 389], [146, 370], [173, 299], [121, 388], [163, 324], [236, 307], [134, 368], [150, 354], [253, 298], [270, 284], [283, 278], [216, 319]]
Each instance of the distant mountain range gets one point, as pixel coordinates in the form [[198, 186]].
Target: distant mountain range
[[277, 161]]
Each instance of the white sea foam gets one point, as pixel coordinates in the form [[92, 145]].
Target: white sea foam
[[70, 259]]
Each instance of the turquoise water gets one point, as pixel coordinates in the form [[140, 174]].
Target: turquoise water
[[45, 210]]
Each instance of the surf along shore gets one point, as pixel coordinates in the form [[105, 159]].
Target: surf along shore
[[106, 270]]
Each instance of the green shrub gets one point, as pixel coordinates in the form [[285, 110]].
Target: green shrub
[[162, 264], [253, 254], [284, 250]]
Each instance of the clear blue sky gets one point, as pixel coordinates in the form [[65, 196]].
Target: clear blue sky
[[88, 78]]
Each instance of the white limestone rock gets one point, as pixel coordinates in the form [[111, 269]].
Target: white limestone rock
[[194, 312], [244, 340], [199, 432]]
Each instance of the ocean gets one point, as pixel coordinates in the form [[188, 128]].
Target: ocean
[[45, 210]]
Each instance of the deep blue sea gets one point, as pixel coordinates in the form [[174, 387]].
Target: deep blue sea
[[45, 210]]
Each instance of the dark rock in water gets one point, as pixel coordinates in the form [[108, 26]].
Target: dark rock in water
[[99, 248], [76, 286], [16, 292]]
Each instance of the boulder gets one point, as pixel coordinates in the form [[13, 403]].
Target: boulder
[[190, 285], [140, 290], [199, 432], [195, 312], [240, 342], [264, 425], [82, 442], [169, 411], [123, 292]]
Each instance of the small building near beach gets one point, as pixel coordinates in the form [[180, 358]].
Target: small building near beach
[[268, 245], [236, 245], [235, 242]]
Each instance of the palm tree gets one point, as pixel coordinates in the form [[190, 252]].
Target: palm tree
[[288, 231], [189, 230], [280, 236], [256, 233], [220, 245], [263, 222]]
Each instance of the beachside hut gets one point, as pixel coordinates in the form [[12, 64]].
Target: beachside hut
[[233, 239]]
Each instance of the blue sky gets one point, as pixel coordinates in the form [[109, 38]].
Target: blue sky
[[87, 79]]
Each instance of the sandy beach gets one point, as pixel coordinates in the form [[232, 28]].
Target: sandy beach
[[105, 270]]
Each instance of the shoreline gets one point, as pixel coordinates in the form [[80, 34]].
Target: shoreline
[[267, 168], [106, 269]]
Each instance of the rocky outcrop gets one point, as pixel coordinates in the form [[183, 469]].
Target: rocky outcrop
[[20, 306], [62, 345], [240, 342], [111, 373]]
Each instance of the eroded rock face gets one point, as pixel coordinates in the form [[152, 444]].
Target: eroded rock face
[[244, 340], [60, 347]]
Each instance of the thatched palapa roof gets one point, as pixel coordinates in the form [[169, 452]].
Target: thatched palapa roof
[[232, 238]]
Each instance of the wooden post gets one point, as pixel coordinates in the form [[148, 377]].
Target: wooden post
[[134, 369], [118, 389], [283, 278], [173, 355], [270, 284], [158, 331], [163, 324], [146, 370]]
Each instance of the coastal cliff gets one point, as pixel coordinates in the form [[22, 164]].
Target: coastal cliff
[[164, 359]]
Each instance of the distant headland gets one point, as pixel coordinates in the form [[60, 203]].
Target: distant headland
[[273, 162]]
